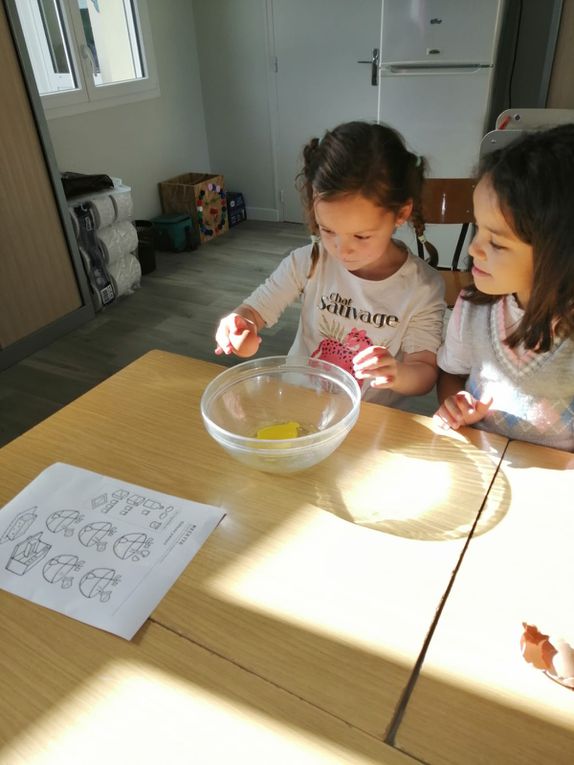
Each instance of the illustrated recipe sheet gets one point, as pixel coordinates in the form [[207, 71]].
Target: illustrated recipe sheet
[[96, 548]]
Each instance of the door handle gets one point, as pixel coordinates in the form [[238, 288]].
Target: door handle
[[374, 62]]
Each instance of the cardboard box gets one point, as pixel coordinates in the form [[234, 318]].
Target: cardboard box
[[202, 197]]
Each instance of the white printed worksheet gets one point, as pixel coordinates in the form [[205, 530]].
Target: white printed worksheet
[[96, 548]]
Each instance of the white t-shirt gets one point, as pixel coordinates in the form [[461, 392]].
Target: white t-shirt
[[342, 313]]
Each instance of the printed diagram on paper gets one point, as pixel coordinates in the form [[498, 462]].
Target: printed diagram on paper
[[98, 549]]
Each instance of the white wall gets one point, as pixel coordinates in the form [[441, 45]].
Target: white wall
[[147, 141], [235, 67]]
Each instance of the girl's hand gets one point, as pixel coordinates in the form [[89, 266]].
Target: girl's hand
[[237, 335], [377, 364], [461, 409]]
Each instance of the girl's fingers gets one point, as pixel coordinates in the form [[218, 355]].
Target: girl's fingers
[[381, 381], [369, 356], [377, 366], [455, 413], [472, 410], [223, 342], [378, 372], [236, 335], [465, 409], [444, 419], [239, 324], [461, 409], [361, 355], [484, 405]]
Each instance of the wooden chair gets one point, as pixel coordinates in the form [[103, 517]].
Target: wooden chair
[[449, 200]]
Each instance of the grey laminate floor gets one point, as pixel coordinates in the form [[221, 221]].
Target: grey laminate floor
[[176, 309]]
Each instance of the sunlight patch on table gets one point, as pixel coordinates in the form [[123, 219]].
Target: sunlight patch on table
[[130, 713], [343, 581], [429, 492], [416, 487]]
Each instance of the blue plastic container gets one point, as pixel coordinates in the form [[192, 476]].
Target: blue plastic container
[[236, 211]]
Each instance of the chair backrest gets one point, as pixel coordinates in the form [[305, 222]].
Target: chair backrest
[[499, 139], [449, 200], [512, 123], [533, 119]]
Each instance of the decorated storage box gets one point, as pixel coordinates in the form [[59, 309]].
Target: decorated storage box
[[202, 197]]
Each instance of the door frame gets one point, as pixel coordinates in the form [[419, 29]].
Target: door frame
[[273, 105]]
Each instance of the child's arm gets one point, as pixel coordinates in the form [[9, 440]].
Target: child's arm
[[416, 372], [413, 376], [238, 332], [457, 406], [449, 385]]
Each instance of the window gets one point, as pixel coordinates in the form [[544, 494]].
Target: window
[[87, 54]]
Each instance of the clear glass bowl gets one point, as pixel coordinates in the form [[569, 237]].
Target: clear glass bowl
[[318, 397]]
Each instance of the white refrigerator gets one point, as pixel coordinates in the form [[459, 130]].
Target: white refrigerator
[[436, 68]]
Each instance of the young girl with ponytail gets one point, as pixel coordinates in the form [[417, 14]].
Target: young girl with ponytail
[[369, 304]]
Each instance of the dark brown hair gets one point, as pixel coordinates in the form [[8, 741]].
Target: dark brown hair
[[533, 178], [364, 158]]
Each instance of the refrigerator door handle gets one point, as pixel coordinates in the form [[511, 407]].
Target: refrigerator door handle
[[406, 69], [374, 62]]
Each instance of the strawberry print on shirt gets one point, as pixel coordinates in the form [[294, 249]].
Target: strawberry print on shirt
[[342, 353]]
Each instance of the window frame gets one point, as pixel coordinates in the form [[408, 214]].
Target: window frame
[[88, 96]]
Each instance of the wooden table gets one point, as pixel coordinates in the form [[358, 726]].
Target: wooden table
[[476, 699], [73, 694], [331, 611]]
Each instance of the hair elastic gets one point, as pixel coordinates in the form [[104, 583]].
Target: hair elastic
[[315, 239], [418, 160], [422, 238]]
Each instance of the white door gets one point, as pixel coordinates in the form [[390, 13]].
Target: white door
[[319, 82]]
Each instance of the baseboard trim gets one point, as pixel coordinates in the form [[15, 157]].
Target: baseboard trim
[[263, 213]]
